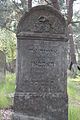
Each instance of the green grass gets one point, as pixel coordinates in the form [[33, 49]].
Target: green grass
[[6, 88], [74, 113], [74, 98], [74, 88], [5, 101], [10, 83]]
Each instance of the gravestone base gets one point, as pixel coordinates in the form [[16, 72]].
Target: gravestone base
[[19, 116], [34, 107]]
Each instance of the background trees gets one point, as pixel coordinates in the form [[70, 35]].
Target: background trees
[[12, 10], [10, 13]]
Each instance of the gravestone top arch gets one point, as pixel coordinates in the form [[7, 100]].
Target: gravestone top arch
[[42, 19]]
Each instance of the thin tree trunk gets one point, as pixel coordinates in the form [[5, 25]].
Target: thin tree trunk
[[29, 4], [73, 63], [71, 42], [69, 4], [55, 4]]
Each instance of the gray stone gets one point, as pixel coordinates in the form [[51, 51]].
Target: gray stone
[[2, 65], [41, 92]]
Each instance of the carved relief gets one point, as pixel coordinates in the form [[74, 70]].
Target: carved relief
[[42, 25], [48, 24], [57, 26]]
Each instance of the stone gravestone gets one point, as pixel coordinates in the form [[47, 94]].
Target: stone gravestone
[[41, 92], [2, 65]]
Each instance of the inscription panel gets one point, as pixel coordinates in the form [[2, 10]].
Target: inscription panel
[[38, 66]]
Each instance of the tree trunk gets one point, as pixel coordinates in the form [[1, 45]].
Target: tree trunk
[[72, 49], [29, 4], [73, 63], [55, 4], [26, 4], [69, 4]]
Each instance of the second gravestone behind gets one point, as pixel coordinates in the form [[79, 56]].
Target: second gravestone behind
[[41, 92], [2, 66]]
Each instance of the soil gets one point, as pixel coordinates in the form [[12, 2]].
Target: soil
[[5, 114]]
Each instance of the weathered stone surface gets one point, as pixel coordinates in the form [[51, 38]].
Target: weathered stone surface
[[42, 19], [2, 65], [41, 92]]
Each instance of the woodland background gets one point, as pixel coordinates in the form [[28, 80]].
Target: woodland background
[[10, 14]]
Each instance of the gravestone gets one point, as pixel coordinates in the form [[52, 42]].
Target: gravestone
[[2, 66], [41, 92], [11, 66]]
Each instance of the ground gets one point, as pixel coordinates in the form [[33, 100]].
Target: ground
[[5, 114]]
